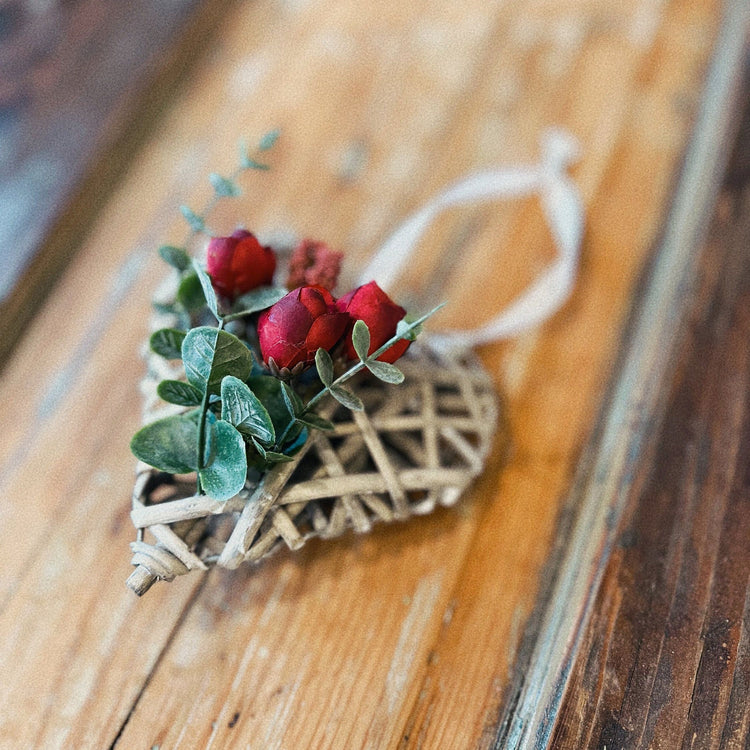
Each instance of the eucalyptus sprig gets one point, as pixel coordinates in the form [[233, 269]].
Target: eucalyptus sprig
[[245, 417], [235, 417], [384, 371], [190, 297], [199, 440], [227, 187]]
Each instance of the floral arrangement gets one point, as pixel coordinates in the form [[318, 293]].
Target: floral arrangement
[[264, 418], [259, 358]]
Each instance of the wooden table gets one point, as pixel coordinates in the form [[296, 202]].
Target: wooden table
[[592, 588]]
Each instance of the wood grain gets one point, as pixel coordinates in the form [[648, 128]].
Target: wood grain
[[632, 412], [405, 636], [81, 85], [666, 657]]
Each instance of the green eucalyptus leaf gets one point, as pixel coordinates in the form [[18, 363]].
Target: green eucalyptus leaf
[[165, 308], [269, 139], [190, 292], [243, 409], [178, 392], [167, 342], [292, 401], [169, 444], [209, 355], [258, 299], [361, 339], [252, 164], [268, 390], [196, 223], [386, 372], [347, 398], [225, 476], [272, 457], [311, 419], [247, 162], [261, 449], [223, 187], [324, 366], [208, 289], [288, 400], [175, 256]]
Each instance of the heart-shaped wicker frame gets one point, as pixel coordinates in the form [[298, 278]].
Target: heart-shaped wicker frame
[[417, 445]]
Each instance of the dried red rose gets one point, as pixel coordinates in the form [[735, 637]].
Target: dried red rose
[[292, 330], [381, 314], [314, 264], [239, 263]]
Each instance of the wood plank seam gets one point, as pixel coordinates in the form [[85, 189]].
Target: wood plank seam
[[155, 666]]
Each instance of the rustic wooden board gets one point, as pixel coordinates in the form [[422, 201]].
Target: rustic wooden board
[[81, 84], [665, 659], [406, 636], [621, 443]]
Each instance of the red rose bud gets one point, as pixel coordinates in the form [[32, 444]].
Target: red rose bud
[[381, 314], [300, 323], [239, 263], [314, 264]]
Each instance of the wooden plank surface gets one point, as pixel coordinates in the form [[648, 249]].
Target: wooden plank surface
[[632, 413], [405, 637], [665, 659], [81, 84]]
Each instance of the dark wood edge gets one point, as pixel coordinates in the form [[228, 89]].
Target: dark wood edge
[[75, 220], [632, 411]]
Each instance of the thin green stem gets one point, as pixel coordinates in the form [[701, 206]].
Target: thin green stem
[[352, 371], [280, 441], [201, 439], [208, 208], [202, 429], [213, 201], [238, 315]]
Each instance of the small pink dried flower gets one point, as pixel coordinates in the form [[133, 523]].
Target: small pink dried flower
[[314, 264]]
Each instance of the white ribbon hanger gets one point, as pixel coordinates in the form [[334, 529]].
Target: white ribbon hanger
[[563, 210]]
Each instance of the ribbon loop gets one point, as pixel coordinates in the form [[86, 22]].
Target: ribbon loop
[[563, 210]]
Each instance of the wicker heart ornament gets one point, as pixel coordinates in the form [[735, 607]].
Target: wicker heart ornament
[[413, 448]]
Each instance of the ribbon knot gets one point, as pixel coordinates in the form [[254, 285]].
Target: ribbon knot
[[563, 210]]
